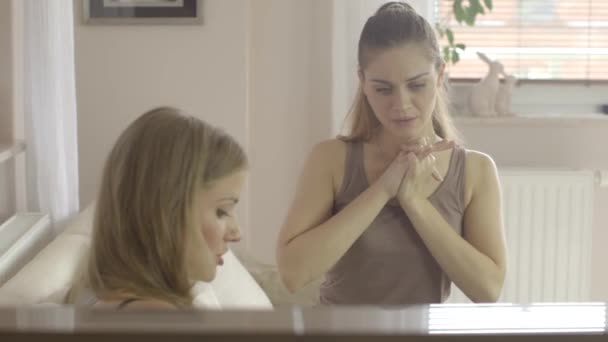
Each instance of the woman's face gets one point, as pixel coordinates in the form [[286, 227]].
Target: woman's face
[[401, 86], [219, 226]]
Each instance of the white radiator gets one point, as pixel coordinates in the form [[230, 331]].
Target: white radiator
[[548, 224]]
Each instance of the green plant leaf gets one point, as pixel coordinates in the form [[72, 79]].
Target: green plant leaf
[[489, 4], [459, 12], [455, 57], [457, 3], [470, 16], [461, 46], [476, 7], [468, 20], [440, 30], [450, 35], [446, 54]]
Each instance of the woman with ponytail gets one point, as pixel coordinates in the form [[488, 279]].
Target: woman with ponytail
[[396, 210]]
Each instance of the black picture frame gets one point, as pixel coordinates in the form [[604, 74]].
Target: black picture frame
[[147, 12]]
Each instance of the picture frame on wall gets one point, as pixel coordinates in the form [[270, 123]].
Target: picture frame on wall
[[146, 12]]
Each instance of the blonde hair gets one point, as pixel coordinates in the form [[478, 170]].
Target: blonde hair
[[395, 24], [145, 208]]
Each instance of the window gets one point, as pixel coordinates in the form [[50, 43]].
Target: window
[[535, 39]]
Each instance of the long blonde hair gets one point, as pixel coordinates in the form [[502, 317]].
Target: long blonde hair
[[394, 24], [145, 208]]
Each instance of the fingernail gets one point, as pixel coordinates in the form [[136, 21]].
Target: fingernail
[[437, 177]]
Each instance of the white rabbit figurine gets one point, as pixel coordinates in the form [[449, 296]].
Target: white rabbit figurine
[[483, 94], [503, 97]]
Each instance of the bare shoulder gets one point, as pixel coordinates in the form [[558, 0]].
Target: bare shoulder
[[478, 162], [329, 149], [330, 156], [480, 170]]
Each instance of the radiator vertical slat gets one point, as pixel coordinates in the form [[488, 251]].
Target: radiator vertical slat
[[525, 229], [562, 244], [517, 247], [574, 242], [510, 290], [550, 250], [538, 238], [587, 238]]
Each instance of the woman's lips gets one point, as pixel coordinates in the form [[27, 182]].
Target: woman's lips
[[404, 121]]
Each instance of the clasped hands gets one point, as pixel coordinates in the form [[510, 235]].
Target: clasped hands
[[411, 174]]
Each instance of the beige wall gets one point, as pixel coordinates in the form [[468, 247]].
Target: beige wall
[[561, 144], [290, 103], [122, 71]]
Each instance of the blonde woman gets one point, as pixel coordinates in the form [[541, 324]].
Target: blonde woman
[[394, 212], [165, 212]]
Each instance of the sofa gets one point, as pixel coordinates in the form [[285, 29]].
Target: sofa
[[48, 277]]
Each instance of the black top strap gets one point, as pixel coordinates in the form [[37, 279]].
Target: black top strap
[[127, 302]]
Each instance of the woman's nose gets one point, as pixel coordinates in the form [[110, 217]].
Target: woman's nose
[[233, 234], [403, 101]]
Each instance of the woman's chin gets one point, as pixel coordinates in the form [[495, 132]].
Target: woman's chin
[[208, 276], [206, 273], [406, 134]]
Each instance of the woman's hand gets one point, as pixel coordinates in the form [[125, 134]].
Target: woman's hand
[[393, 176], [422, 176]]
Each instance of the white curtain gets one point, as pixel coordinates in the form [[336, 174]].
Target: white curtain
[[50, 108], [349, 16]]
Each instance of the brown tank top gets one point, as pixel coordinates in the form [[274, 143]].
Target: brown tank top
[[389, 265]]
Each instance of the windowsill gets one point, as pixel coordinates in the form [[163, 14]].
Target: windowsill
[[10, 150], [471, 81], [533, 120], [547, 100], [17, 226], [21, 238]]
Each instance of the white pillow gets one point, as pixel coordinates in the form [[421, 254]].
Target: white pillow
[[81, 224], [204, 297], [235, 288]]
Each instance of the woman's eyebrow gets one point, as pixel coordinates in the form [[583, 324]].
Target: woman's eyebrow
[[229, 199], [408, 80], [417, 76]]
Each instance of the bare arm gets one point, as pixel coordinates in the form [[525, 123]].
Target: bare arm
[[311, 241], [477, 263]]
